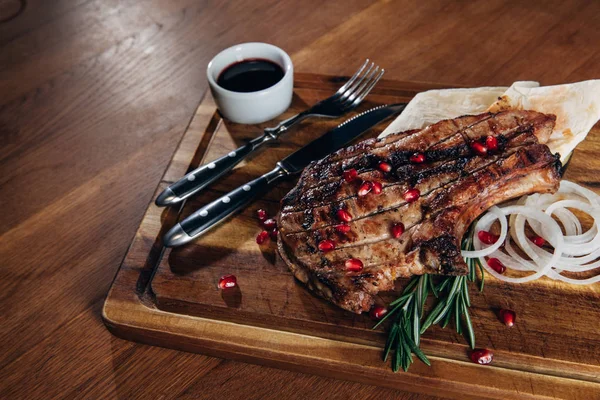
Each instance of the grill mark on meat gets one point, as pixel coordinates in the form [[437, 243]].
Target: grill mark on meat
[[342, 158], [399, 158], [441, 199], [435, 223], [447, 167]]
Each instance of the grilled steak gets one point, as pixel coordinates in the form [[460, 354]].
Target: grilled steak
[[432, 184]]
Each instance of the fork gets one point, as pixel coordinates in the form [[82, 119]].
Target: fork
[[348, 97]]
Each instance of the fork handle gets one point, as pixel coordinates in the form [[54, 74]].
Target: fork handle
[[288, 123], [204, 175]]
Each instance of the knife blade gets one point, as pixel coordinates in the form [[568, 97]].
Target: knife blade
[[211, 214]]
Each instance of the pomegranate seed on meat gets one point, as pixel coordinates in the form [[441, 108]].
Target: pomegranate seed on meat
[[377, 187], [365, 188], [344, 215], [491, 143], [273, 234], [417, 158], [479, 148], [385, 167], [397, 230], [411, 195], [353, 265], [326, 245], [350, 175], [227, 281], [342, 228]]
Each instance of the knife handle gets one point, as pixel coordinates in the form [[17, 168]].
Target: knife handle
[[206, 174], [213, 213]]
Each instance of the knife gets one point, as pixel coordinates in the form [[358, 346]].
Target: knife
[[211, 214]]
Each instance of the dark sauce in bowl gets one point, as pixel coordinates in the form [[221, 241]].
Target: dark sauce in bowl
[[250, 75]]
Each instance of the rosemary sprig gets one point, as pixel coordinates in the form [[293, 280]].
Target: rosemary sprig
[[408, 310]]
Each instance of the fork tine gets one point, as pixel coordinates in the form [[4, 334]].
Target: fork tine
[[358, 89], [348, 93], [365, 92], [352, 79]]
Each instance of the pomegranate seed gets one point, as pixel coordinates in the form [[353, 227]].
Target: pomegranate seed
[[487, 237], [365, 188], [273, 234], [496, 265], [491, 143], [385, 167], [350, 175], [378, 312], [353, 265], [261, 214], [417, 158], [507, 316], [411, 195], [479, 148], [270, 224], [342, 228], [377, 187], [326, 245], [538, 241], [397, 230], [482, 356], [227, 282], [261, 237], [344, 215]]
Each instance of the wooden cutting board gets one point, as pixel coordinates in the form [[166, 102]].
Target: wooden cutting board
[[170, 297]]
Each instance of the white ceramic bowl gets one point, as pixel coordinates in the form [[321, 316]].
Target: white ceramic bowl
[[252, 107]]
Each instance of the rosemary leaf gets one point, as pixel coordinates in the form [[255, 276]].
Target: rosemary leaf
[[457, 310], [469, 325], [447, 319], [390, 341], [465, 292], [433, 288], [415, 348], [482, 275]]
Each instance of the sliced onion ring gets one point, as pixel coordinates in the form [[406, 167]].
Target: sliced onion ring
[[575, 251]]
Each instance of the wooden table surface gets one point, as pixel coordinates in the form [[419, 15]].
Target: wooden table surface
[[96, 94]]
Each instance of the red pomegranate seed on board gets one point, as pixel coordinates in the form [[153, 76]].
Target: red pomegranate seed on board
[[385, 167], [270, 224], [378, 312], [273, 234], [482, 356], [507, 316], [350, 175], [261, 214], [491, 143], [365, 188], [342, 228], [397, 230], [417, 158], [344, 215], [326, 245], [538, 241], [487, 237], [377, 187], [227, 282], [496, 265], [354, 265], [479, 148], [261, 237], [411, 195]]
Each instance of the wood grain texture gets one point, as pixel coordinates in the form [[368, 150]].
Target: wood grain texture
[[95, 98], [559, 346]]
